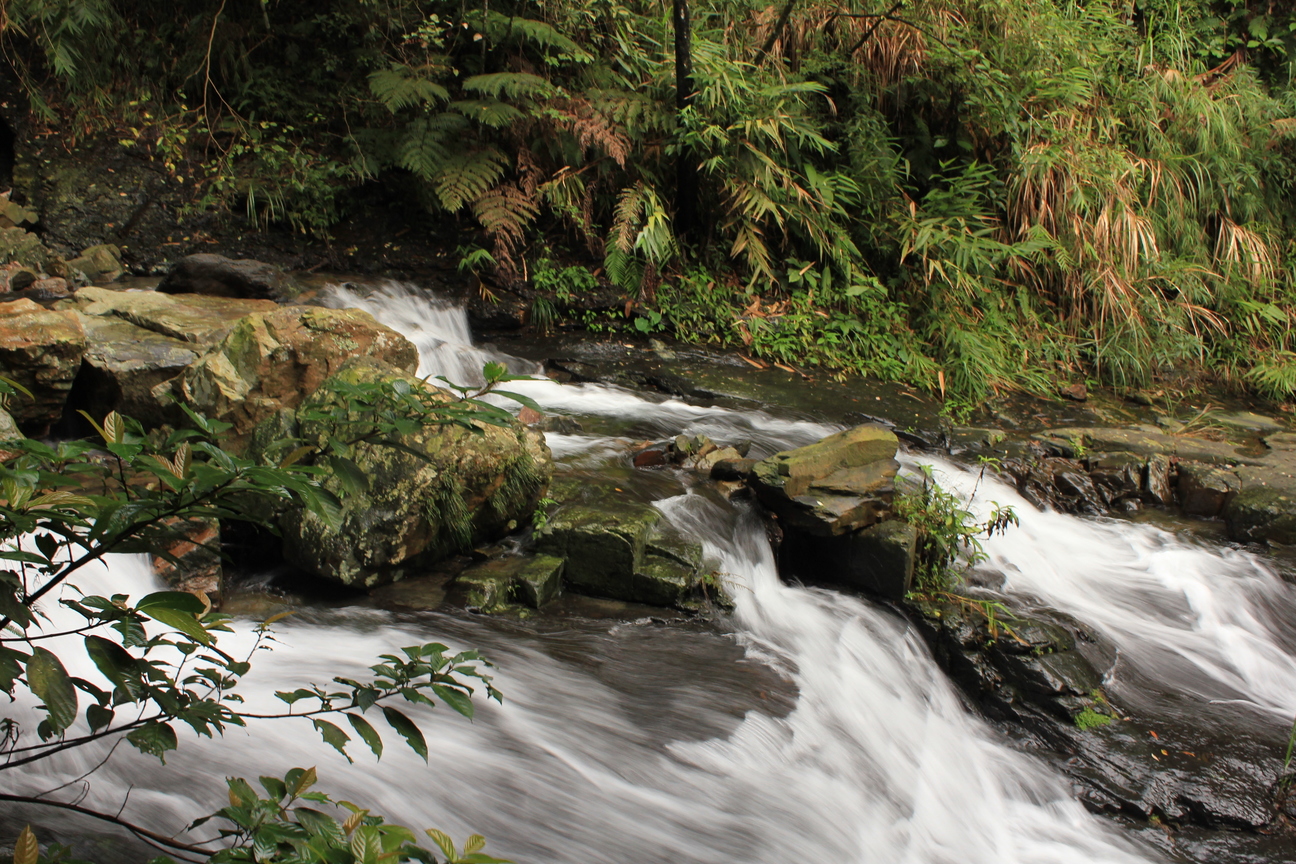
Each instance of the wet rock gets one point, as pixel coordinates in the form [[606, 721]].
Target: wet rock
[[13, 214], [100, 264], [23, 247], [1281, 441], [530, 580], [1075, 392], [8, 427], [1249, 421], [1145, 442], [41, 350], [15, 278], [273, 360], [218, 276], [623, 551], [1205, 490], [560, 424], [877, 560], [732, 469], [653, 457], [48, 289], [840, 484], [1117, 476], [1156, 480], [124, 365], [465, 487], [1262, 512], [191, 559]]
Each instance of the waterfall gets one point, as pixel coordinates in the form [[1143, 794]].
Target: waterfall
[[819, 729]]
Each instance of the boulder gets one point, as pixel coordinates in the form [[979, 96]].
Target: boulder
[[25, 248], [15, 277], [531, 580], [624, 551], [99, 264], [840, 484], [218, 276], [40, 349], [1263, 510], [1205, 490], [877, 560], [466, 486], [9, 430], [273, 360], [199, 320], [125, 364]]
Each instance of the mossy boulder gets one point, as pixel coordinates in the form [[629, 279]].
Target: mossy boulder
[[1205, 490], [40, 349], [467, 486], [529, 580], [623, 550], [275, 359], [832, 487], [99, 264], [1263, 512]]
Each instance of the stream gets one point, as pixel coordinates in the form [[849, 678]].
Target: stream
[[811, 726]]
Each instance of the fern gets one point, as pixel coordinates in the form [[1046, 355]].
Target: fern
[[488, 112], [506, 211], [403, 87], [514, 85], [465, 175], [505, 28]]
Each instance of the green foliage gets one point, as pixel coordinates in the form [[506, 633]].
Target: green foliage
[[158, 662], [1089, 719], [987, 191], [565, 284], [947, 532]]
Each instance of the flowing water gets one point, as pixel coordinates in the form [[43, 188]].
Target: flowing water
[[819, 729]]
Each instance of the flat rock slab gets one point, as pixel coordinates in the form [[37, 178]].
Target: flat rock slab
[[532, 580], [196, 319]]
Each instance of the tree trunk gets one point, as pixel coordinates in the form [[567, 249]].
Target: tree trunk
[[686, 169]]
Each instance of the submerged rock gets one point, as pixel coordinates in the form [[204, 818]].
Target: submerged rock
[[465, 487], [840, 484], [40, 349]]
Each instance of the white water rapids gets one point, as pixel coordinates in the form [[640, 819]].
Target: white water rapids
[[877, 760]]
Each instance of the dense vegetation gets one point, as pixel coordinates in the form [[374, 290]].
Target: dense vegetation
[[968, 194]]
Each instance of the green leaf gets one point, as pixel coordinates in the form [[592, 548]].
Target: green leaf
[[443, 842], [366, 844], [299, 780], [185, 622], [50, 682], [333, 736], [114, 662], [275, 788], [408, 730], [367, 733], [354, 481], [153, 739], [181, 601], [456, 699], [98, 717]]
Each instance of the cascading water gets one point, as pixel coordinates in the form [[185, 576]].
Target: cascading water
[[634, 743]]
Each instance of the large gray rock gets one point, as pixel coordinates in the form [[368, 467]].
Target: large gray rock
[[840, 484], [218, 276], [40, 349], [1205, 490], [195, 319], [465, 487], [99, 264]]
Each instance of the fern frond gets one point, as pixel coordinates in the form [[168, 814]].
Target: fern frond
[[505, 212], [626, 218], [505, 28], [514, 85], [466, 175], [422, 149], [405, 87], [488, 112]]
